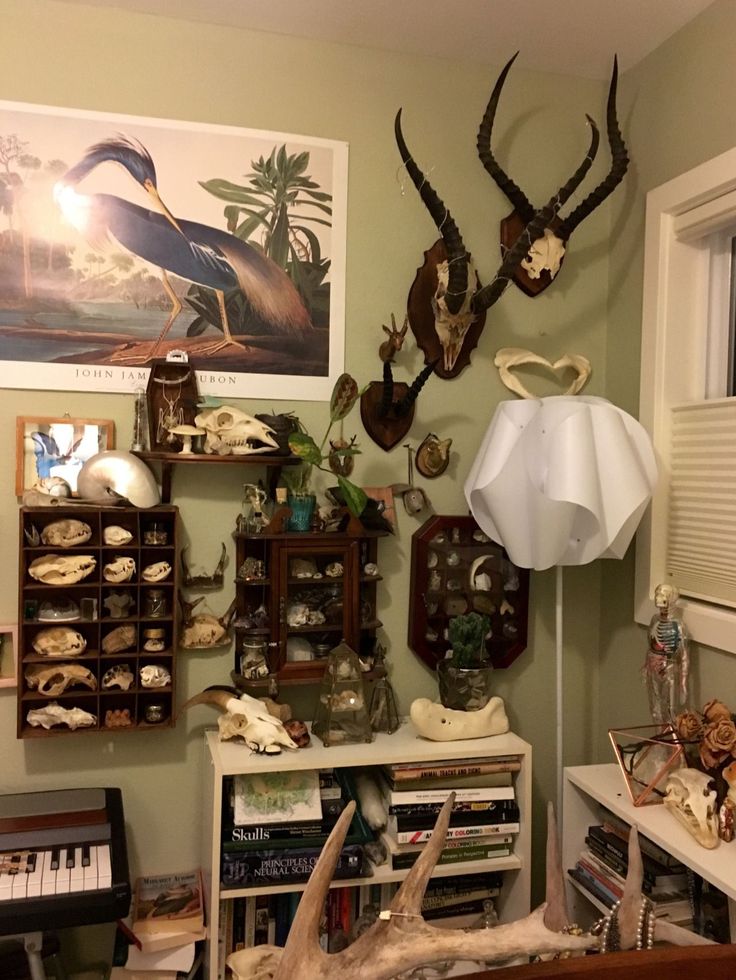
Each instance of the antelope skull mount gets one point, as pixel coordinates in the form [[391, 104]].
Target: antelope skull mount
[[447, 304], [542, 262]]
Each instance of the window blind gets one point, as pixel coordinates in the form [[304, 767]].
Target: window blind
[[701, 531]]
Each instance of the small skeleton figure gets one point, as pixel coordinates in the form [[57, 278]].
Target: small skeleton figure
[[667, 664]]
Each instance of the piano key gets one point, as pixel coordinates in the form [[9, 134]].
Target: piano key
[[90, 872], [63, 875], [85, 855], [6, 887], [20, 885], [35, 875], [32, 861], [70, 862], [76, 876], [48, 876], [104, 869], [55, 858]]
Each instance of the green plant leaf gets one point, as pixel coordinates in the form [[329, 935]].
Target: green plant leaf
[[344, 396], [355, 497], [304, 446]]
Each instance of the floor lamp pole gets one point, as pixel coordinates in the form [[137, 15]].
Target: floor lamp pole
[[558, 687]]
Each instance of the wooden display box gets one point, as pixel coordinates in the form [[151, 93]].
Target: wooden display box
[[153, 539]]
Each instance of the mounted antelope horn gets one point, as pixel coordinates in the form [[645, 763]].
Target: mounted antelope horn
[[541, 265], [406, 403], [387, 407]]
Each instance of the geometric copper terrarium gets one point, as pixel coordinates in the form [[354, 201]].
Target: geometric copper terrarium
[[647, 754]]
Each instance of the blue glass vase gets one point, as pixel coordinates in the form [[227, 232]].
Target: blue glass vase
[[302, 508]]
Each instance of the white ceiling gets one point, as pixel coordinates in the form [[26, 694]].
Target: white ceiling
[[575, 37]]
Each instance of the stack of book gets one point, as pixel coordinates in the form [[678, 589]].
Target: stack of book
[[603, 863], [162, 937], [484, 817], [274, 826]]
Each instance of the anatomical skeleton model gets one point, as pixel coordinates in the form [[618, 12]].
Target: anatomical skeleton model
[[667, 664]]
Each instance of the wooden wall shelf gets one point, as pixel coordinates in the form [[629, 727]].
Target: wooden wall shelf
[[167, 461]]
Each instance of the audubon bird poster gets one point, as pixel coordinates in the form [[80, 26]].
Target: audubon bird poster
[[125, 238]]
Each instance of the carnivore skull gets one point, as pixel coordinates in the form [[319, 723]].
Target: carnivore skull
[[231, 432], [61, 569], [156, 572], [59, 641], [53, 714], [66, 534], [119, 570], [52, 681], [116, 535], [691, 798]]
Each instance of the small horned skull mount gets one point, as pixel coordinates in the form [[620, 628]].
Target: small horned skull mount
[[544, 257], [447, 304], [387, 407]]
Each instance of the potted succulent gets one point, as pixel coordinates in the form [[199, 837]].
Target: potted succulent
[[464, 675], [298, 478]]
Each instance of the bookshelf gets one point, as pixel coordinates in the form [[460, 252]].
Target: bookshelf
[[223, 759], [587, 788]]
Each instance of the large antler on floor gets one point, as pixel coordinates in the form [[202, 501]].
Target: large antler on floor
[[402, 939]]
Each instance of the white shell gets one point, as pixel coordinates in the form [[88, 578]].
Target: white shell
[[116, 535]]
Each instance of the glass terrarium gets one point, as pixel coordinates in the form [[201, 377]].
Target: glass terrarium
[[341, 715]]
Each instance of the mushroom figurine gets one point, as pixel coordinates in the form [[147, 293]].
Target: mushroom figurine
[[186, 433]]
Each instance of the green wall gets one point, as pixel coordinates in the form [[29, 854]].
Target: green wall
[[678, 110], [106, 60]]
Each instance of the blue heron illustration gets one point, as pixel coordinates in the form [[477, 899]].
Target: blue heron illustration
[[198, 253]]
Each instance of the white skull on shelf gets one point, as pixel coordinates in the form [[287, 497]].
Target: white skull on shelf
[[232, 432], [691, 798]]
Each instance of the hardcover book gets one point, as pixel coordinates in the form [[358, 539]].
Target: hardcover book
[[504, 811], [276, 797], [453, 833], [243, 869], [438, 795], [168, 903]]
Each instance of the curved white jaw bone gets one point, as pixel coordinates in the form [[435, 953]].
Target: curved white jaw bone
[[691, 798]]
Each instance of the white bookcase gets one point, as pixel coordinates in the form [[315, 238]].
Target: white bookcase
[[586, 787], [224, 759]]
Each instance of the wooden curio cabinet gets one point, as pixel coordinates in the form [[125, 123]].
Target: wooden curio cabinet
[[301, 593], [79, 610]]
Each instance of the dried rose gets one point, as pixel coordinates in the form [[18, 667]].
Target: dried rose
[[689, 726], [719, 739], [715, 710]]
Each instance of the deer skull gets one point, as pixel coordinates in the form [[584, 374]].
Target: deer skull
[[691, 798], [231, 432]]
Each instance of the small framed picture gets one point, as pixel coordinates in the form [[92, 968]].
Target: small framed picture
[[8, 655], [50, 447]]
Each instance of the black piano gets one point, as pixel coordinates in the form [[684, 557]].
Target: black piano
[[63, 859]]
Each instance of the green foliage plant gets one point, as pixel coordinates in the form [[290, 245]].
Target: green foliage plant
[[298, 478], [466, 634]]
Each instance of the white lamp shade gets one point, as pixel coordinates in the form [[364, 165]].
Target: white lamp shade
[[561, 480]]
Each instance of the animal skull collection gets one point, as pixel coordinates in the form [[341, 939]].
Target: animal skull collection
[[247, 718], [59, 641], [66, 534]]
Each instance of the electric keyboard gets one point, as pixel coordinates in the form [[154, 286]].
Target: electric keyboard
[[63, 859]]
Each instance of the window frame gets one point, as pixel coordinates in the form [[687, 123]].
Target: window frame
[[684, 268]]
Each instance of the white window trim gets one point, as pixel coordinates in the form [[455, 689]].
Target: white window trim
[[675, 365]]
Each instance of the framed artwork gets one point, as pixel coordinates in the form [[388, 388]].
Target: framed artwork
[[124, 238], [48, 447], [8, 655]]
